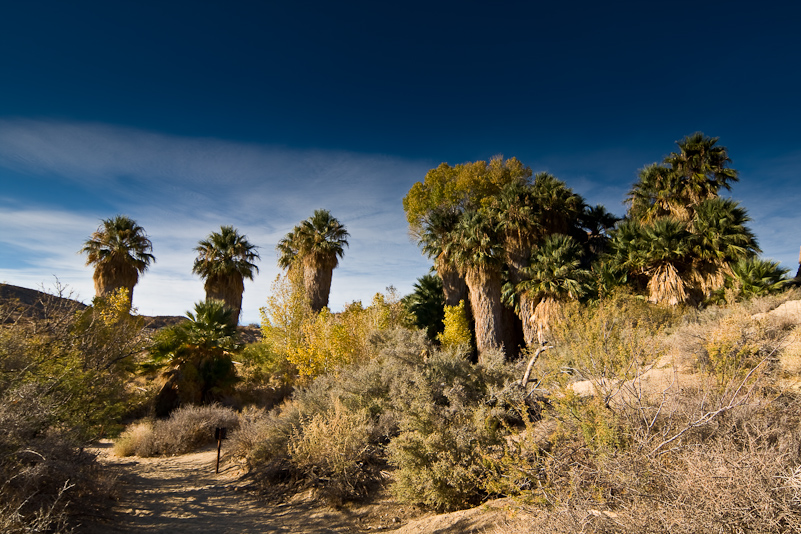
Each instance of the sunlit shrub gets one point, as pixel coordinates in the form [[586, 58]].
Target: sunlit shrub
[[188, 429]]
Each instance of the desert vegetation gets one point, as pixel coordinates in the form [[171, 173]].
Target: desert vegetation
[[602, 374]]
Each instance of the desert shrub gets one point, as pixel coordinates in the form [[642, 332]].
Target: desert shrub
[[63, 374], [266, 377], [48, 482], [610, 337], [187, 429], [334, 446], [410, 405], [715, 457]]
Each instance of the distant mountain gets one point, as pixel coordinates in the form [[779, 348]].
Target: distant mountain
[[33, 303]]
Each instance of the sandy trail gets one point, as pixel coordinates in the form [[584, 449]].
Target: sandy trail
[[183, 494]]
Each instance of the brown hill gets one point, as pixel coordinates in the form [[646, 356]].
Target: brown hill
[[19, 301]]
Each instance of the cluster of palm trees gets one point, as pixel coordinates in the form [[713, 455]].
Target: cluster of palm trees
[[508, 240], [121, 251], [680, 239], [513, 243]]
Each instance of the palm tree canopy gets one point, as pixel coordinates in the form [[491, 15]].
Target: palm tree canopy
[[438, 230], [211, 325], [702, 166], [224, 254], [555, 270], [684, 179], [475, 243], [720, 233], [320, 240], [119, 239], [559, 207], [754, 276]]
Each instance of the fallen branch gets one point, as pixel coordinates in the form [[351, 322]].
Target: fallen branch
[[542, 348]]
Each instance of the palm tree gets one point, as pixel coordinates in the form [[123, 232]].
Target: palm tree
[[197, 354], [436, 235], [753, 277], [720, 238], [702, 167], [555, 275], [598, 223], [658, 255], [225, 259], [316, 245], [477, 251], [427, 304], [120, 252], [685, 179], [559, 208], [519, 226]]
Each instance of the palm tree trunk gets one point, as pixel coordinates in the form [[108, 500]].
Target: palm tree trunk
[[485, 300], [518, 259], [453, 283], [111, 276], [228, 290], [317, 280]]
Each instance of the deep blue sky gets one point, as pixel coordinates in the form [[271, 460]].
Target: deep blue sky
[[188, 115]]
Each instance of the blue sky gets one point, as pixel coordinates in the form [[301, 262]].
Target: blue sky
[[190, 115]]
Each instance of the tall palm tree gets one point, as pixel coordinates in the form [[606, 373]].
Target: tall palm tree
[[554, 276], [224, 260], [437, 232], [559, 208], [478, 252], [120, 251], [684, 179], [660, 252], [519, 226], [316, 245], [598, 223], [702, 167]]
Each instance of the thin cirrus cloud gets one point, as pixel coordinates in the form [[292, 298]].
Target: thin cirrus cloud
[[180, 189]]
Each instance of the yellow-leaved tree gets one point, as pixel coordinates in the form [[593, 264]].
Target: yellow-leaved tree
[[318, 343]]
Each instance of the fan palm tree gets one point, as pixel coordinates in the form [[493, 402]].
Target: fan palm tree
[[753, 277], [120, 251], [477, 251], [719, 238], [658, 255], [427, 304], [224, 260], [685, 179], [702, 167], [437, 233], [554, 276], [197, 354], [598, 223], [316, 245], [559, 207], [519, 226]]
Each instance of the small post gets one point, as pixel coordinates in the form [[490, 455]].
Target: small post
[[219, 435]]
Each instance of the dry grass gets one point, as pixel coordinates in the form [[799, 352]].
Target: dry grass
[[188, 428]]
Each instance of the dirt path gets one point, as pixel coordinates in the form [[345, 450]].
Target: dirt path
[[183, 494]]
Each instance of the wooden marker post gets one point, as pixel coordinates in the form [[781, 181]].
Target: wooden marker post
[[219, 435]]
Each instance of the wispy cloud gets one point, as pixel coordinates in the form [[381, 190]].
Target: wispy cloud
[[181, 189]]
